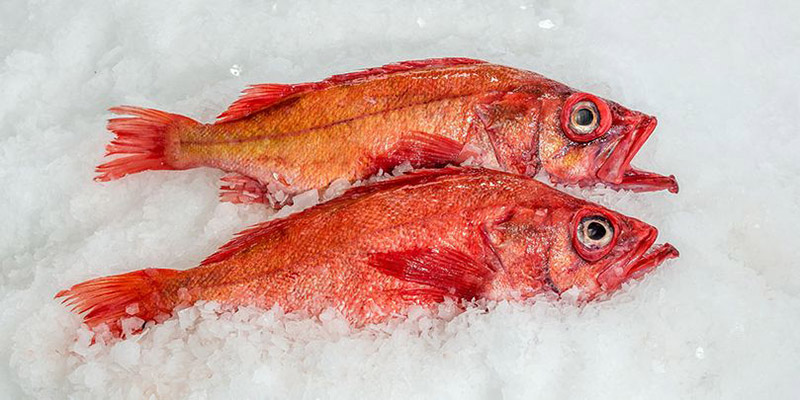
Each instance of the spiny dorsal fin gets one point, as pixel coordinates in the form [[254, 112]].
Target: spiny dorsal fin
[[258, 97], [245, 239], [403, 66]]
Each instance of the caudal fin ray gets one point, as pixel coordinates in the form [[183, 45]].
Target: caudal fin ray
[[112, 298], [142, 140]]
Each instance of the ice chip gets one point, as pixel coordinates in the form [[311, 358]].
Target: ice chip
[[132, 309], [187, 317], [336, 188], [83, 342], [94, 375], [306, 199], [131, 325], [402, 168], [546, 24], [700, 353], [126, 353]]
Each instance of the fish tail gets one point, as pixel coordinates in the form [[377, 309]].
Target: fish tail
[[147, 140], [111, 299]]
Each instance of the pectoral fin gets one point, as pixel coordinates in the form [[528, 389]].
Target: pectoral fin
[[422, 150], [447, 271]]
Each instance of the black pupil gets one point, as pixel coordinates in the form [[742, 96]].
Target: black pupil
[[584, 117], [595, 231]]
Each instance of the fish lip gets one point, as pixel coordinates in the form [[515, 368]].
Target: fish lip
[[617, 171], [652, 259], [646, 258]]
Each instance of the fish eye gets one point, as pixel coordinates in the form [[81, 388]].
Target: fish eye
[[584, 118], [595, 232]]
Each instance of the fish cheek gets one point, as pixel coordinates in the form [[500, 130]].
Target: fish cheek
[[553, 145], [564, 160], [522, 251], [565, 265], [510, 125], [586, 282]]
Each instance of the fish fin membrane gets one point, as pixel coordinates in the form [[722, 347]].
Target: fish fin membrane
[[143, 140], [242, 189], [247, 238], [448, 271], [113, 298], [259, 97], [403, 66], [422, 150]]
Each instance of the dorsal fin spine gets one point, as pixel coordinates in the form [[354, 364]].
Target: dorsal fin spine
[[258, 97]]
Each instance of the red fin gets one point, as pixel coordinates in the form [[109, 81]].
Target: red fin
[[245, 239], [448, 270], [242, 189], [403, 66], [112, 298], [142, 138], [421, 150], [258, 97]]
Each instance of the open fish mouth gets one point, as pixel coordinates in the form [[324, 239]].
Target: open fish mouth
[[617, 171], [645, 259]]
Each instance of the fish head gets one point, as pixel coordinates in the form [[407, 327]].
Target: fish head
[[585, 140], [575, 245], [596, 250]]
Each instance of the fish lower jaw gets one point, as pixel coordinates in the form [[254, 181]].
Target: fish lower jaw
[[643, 181], [622, 271]]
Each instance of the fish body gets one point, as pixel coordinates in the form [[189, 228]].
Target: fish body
[[413, 240], [429, 113]]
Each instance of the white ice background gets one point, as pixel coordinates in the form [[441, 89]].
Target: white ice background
[[722, 321]]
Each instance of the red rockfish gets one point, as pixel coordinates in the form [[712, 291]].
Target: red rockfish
[[283, 139], [465, 233]]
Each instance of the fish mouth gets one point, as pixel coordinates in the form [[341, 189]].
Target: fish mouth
[[617, 171], [645, 259]]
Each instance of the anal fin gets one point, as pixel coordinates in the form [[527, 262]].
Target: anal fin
[[241, 189]]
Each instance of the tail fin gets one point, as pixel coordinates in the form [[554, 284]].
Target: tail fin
[[143, 138], [112, 298]]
